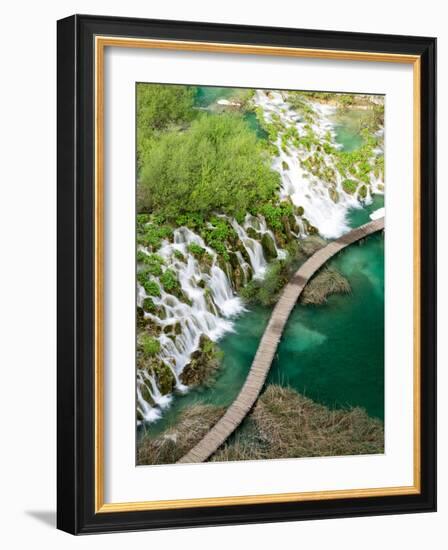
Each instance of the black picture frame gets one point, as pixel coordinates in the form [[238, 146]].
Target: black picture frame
[[76, 271]]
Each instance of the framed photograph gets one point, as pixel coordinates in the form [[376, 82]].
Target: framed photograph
[[246, 274]]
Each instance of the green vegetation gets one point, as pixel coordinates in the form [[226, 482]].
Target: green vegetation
[[148, 345], [266, 291], [217, 164], [175, 442], [160, 106], [283, 424], [152, 263], [203, 365], [151, 287], [196, 250], [169, 281], [349, 186], [151, 235], [327, 281]]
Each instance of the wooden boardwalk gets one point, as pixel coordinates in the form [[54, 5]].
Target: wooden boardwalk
[[261, 364]]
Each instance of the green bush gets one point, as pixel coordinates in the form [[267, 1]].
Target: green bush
[[152, 263], [158, 107], [169, 281], [349, 186], [216, 165], [151, 288], [149, 345], [195, 249]]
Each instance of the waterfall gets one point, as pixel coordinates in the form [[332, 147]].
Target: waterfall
[[253, 249], [325, 204], [211, 306]]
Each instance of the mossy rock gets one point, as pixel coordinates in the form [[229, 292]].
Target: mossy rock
[[288, 226], [269, 248], [285, 165], [252, 233], [240, 247], [334, 195], [179, 256], [149, 305], [349, 186], [203, 364], [233, 259], [144, 390], [300, 210], [163, 374], [140, 318], [238, 278], [362, 192]]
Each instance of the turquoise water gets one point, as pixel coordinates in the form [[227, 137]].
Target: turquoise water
[[348, 128], [207, 96], [334, 353]]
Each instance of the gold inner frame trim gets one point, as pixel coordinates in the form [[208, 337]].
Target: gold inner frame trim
[[101, 42]]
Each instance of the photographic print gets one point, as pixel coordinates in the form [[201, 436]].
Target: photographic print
[[259, 274]]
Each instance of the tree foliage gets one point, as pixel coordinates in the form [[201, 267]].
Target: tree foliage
[[160, 106], [217, 164]]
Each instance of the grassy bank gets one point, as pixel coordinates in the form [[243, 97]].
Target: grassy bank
[[282, 424]]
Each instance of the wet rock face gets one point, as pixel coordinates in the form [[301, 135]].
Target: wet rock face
[[162, 372], [269, 248], [204, 362]]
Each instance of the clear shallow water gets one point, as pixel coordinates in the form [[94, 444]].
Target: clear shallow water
[[207, 96], [348, 128]]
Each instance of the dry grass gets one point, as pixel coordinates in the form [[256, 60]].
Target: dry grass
[[327, 281], [283, 424], [194, 422], [288, 425]]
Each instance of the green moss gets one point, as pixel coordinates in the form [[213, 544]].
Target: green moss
[[149, 345], [148, 305], [362, 193], [163, 374], [151, 288], [152, 263], [268, 244], [196, 250], [203, 364], [349, 186], [169, 281], [179, 256]]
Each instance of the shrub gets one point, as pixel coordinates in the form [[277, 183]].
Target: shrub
[[169, 281], [349, 186], [151, 288], [149, 345], [216, 165], [195, 249]]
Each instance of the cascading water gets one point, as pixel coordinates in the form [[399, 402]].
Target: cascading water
[[305, 190]]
